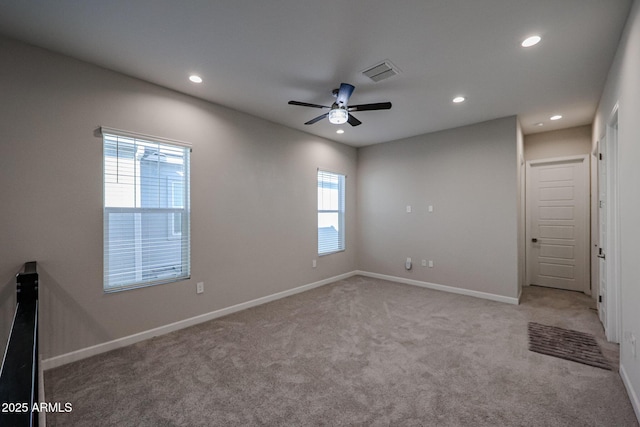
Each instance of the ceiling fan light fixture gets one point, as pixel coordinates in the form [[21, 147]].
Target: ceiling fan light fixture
[[338, 116]]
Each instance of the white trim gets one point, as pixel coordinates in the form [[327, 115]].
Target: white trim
[[633, 396], [520, 296], [83, 353], [594, 226], [35, 370], [444, 288], [128, 134], [42, 415], [6, 348], [319, 169], [582, 157], [614, 113], [613, 249]]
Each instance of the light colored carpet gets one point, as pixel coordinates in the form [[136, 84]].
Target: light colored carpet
[[357, 352]]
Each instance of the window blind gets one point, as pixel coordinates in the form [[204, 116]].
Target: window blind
[[331, 209], [146, 211]]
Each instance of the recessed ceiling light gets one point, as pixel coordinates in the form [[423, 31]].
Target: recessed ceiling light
[[195, 79], [556, 117], [458, 99], [340, 131], [531, 41]]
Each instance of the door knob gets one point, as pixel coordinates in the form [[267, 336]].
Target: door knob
[[534, 240]]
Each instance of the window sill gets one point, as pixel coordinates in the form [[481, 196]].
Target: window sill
[[331, 253], [145, 285]]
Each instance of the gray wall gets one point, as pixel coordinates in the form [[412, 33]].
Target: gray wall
[[253, 197], [253, 201], [558, 143], [623, 88], [469, 176]]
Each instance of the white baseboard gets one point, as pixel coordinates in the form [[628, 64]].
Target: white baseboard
[[633, 396], [444, 288], [74, 356]]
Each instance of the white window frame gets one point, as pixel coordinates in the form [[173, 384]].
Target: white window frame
[[185, 250], [340, 209], [173, 204]]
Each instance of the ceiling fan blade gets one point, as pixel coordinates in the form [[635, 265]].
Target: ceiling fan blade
[[317, 119], [306, 104], [344, 93], [371, 107], [353, 121]]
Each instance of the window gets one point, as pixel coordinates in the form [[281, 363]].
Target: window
[[330, 212], [146, 211]]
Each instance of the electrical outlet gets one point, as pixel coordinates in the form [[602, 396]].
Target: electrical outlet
[[424, 262], [430, 264], [200, 287], [314, 264], [430, 208]]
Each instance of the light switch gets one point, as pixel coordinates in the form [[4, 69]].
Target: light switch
[[430, 208], [408, 208]]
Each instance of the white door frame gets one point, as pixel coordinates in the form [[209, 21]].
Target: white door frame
[[612, 246], [584, 158], [601, 233], [595, 232]]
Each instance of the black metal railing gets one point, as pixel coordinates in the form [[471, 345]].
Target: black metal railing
[[19, 374]]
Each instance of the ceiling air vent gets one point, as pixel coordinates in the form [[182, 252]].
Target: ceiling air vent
[[381, 71]]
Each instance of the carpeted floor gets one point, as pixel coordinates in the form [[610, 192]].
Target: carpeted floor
[[357, 352]]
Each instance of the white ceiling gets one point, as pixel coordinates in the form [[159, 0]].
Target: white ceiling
[[255, 56]]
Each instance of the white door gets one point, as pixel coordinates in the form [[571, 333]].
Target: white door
[[609, 232], [558, 223], [602, 232]]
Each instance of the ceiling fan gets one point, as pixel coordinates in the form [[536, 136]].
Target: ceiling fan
[[339, 112]]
